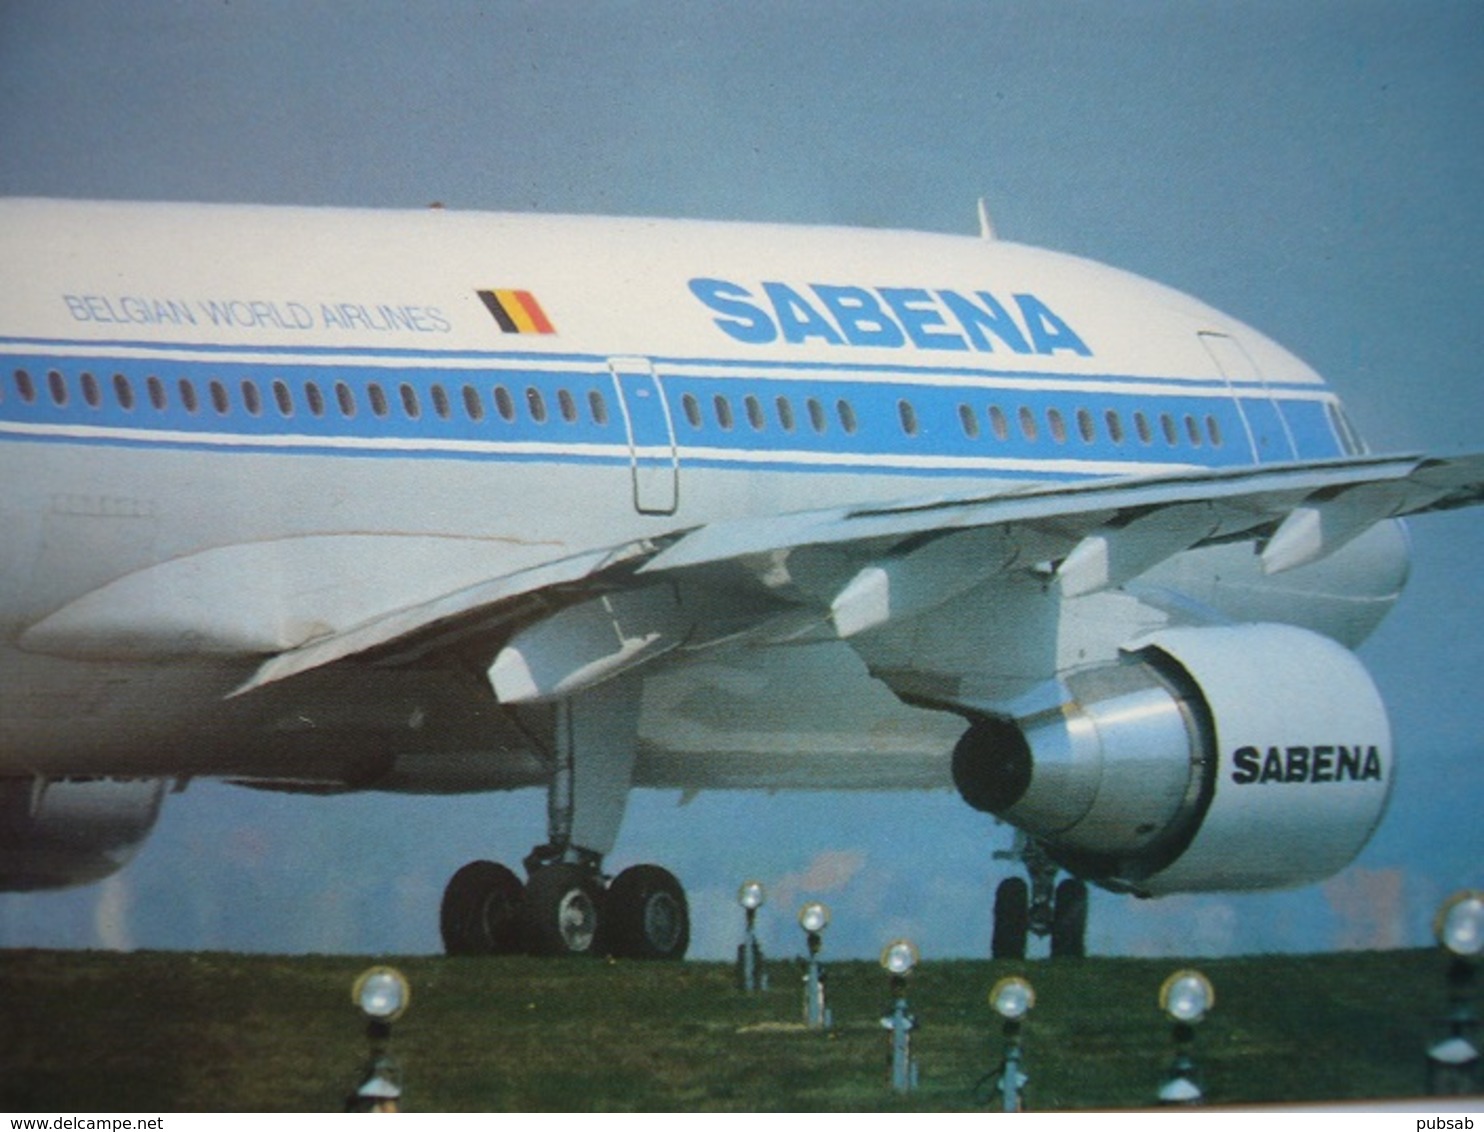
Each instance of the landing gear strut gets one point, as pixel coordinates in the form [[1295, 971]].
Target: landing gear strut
[[1041, 908], [567, 907]]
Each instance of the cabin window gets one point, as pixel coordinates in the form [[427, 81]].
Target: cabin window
[[908, 416], [1086, 428], [1058, 425], [969, 421], [1213, 430], [536, 404], [846, 413], [1193, 430], [785, 410], [219, 398], [155, 388], [378, 398], [252, 400], [597, 407], [123, 392], [692, 409], [91, 393], [57, 387], [473, 406], [346, 399], [283, 399], [1167, 426], [566, 406], [723, 409], [410, 404], [440, 401], [504, 403], [184, 389], [1028, 423], [25, 386], [817, 420], [999, 423], [1141, 426], [314, 398], [1115, 425], [754, 412]]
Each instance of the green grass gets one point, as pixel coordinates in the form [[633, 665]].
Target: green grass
[[159, 1032]]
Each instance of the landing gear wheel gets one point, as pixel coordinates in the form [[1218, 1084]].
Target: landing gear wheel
[[561, 910], [1069, 920], [1011, 919], [480, 914], [645, 915]]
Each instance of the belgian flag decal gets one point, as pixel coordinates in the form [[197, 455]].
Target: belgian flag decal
[[517, 312]]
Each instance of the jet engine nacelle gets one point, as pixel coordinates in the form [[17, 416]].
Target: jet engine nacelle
[[1226, 758], [72, 831]]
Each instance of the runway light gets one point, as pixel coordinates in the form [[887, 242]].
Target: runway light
[[1453, 1061], [1186, 996], [751, 974], [1459, 925], [899, 958], [814, 917], [1011, 998], [382, 994], [751, 895]]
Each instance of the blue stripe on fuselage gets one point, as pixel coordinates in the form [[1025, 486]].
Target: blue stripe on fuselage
[[1082, 424]]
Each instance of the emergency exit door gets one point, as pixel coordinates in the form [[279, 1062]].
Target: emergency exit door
[[1267, 430]]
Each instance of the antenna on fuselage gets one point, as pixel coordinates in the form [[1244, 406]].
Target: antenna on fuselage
[[986, 225]]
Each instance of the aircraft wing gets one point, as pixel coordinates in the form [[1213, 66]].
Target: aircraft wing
[[573, 622], [463, 614]]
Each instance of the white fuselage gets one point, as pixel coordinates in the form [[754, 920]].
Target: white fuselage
[[229, 432]]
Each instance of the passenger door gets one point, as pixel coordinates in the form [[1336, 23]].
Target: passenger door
[[653, 459]]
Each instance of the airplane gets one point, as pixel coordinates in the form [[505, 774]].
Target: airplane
[[325, 500]]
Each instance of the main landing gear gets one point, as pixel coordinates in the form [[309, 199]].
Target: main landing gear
[[567, 906], [565, 909], [1041, 908]]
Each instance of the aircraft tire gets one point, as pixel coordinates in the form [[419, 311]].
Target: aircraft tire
[[645, 915], [480, 913], [562, 911], [1069, 920], [1012, 919]]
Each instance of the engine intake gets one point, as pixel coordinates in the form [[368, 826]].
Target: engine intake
[[54, 834], [1240, 757]]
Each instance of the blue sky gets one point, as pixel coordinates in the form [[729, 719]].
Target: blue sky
[[1314, 169]]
